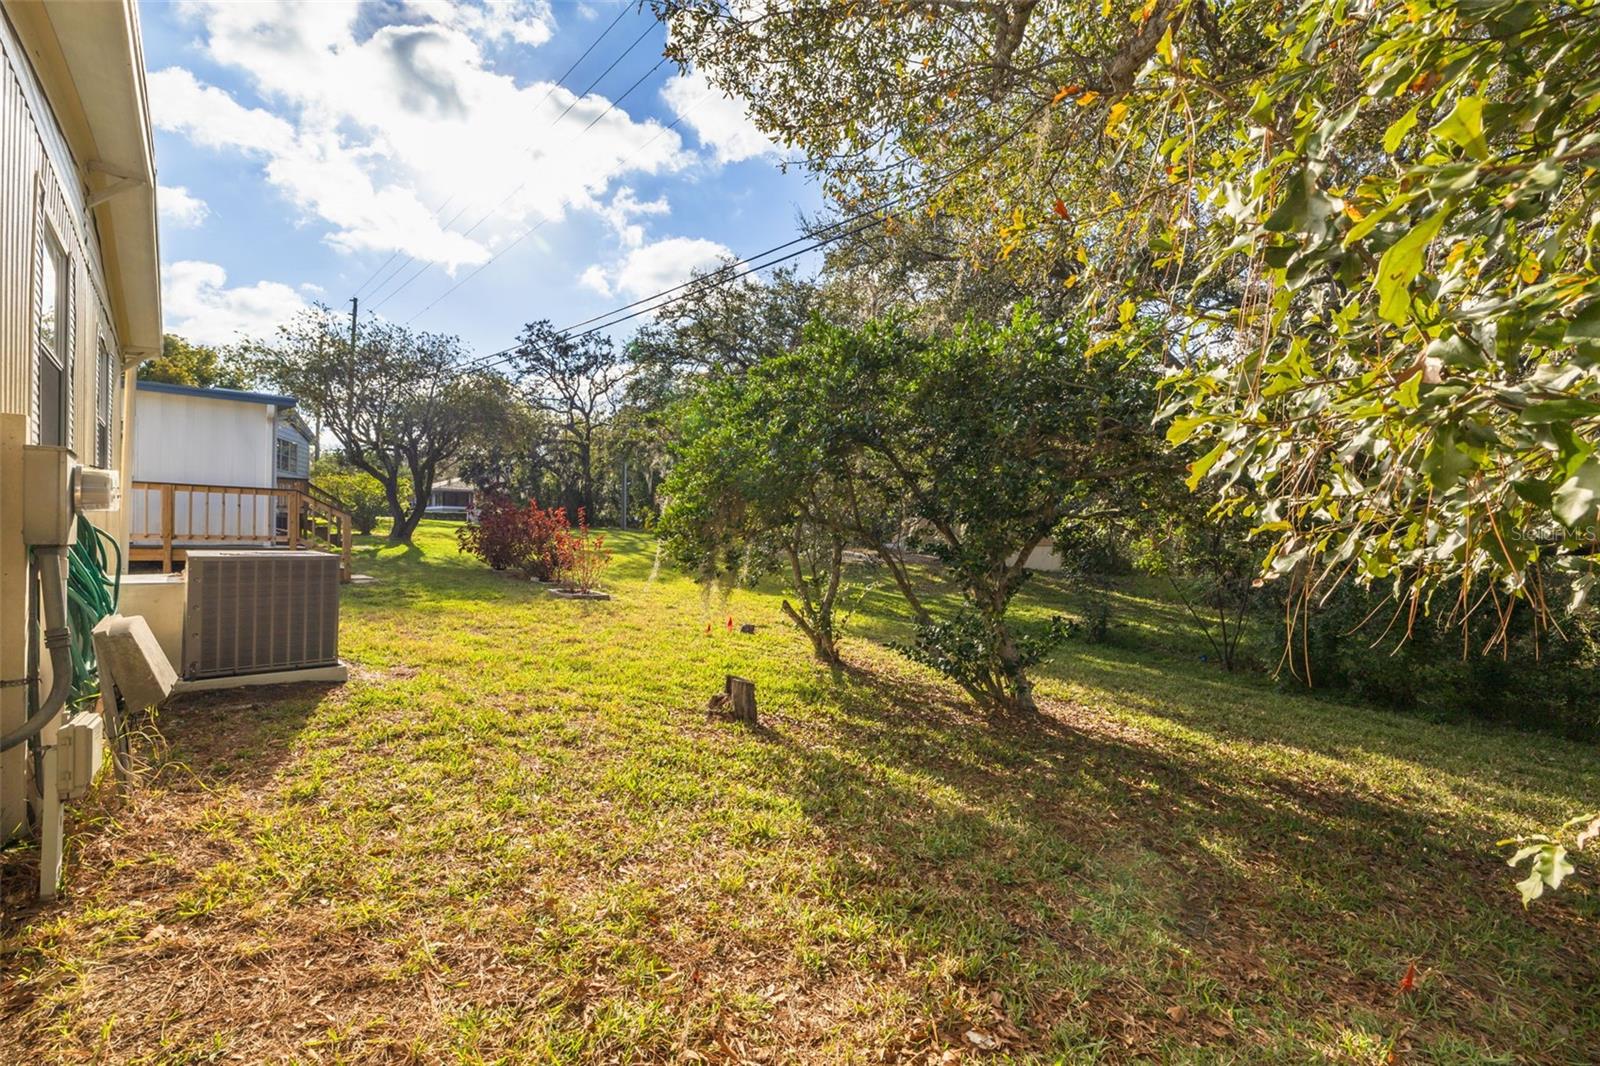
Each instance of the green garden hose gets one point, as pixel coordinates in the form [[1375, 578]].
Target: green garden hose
[[93, 589]]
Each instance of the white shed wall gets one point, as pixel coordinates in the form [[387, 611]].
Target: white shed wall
[[194, 440], [201, 441]]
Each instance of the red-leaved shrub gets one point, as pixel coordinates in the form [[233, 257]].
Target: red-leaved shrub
[[584, 556], [526, 538]]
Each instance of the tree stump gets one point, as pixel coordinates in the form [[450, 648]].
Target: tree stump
[[741, 699]]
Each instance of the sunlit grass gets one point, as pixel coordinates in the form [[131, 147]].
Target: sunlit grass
[[516, 836]]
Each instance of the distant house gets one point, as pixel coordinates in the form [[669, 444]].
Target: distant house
[[1044, 557], [204, 440], [452, 498]]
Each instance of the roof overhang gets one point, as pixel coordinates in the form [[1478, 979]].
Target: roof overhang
[[226, 395], [90, 61]]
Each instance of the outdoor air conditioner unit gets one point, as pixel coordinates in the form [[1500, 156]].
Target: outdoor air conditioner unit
[[256, 612]]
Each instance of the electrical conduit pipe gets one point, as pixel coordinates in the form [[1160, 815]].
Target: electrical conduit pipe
[[52, 564]]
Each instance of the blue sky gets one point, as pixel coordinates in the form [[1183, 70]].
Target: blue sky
[[394, 148]]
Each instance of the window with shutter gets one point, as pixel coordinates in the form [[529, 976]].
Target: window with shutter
[[105, 385], [52, 340]]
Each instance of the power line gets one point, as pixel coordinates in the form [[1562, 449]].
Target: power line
[[611, 106], [719, 277], [708, 282], [636, 42], [576, 99], [542, 101], [536, 227], [727, 273], [423, 269]]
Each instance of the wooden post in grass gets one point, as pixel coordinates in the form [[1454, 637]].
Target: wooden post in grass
[[741, 699]]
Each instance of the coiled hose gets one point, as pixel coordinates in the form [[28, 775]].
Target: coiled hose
[[93, 589]]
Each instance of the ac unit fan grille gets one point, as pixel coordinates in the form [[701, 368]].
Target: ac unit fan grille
[[255, 612]]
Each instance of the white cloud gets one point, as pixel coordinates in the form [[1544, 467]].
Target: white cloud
[[722, 122], [199, 306], [650, 268], [179, 207], [526, 22], [595, 278], [370, 130], [624, 207], [211, 118]]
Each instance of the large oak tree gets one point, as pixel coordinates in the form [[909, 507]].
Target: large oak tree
[[400, 403]]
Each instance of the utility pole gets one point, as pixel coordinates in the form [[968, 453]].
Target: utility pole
[[316, 416], [624, 492], [355, 304]]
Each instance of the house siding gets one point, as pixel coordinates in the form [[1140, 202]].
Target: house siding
[[39, 188], [301, 469], [42, 190]]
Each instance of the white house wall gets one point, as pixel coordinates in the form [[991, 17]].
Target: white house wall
[[40, 187]]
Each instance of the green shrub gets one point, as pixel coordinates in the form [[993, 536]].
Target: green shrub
[[358, 493], [1542, 679]]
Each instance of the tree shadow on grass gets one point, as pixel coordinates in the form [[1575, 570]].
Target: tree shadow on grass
[[1073, 850]]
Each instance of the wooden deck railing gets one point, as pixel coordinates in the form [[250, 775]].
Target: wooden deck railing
[[168, 518]]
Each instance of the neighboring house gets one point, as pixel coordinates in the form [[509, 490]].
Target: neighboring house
[[452, 498], [252, 440], [80, 289], [1044, 557]]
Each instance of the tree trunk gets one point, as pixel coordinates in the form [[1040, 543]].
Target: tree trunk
[[399, 531], [819, 632], [586, 476], [1013, 682]]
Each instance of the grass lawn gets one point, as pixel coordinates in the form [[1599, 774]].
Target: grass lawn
[[515, 836]]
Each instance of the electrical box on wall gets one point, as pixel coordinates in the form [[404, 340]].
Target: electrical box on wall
[[49, 504], [98, 490], [79, 744]]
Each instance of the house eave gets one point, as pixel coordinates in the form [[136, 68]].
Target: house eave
[[90, 61], [227, 395]]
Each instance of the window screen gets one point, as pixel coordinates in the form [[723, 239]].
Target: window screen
[[50, 341], [105, 386], [288, 457]]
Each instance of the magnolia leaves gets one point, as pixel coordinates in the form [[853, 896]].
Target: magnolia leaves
[[1584, 328], [1550, 865], [1400, 266], [1305, 208], [1549, 868], [1396, 133], [1463, 127], [1574, 502]]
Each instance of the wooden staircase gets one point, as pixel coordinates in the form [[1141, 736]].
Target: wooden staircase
[[167, 519]]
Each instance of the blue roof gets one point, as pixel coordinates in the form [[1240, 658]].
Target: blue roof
[[237, 395]]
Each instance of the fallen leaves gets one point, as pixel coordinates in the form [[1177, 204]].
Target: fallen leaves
[[982, 1041]]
